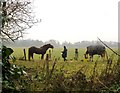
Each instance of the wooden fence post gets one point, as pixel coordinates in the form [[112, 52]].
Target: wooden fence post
[[24, 54], [47, 66], [53, 68]]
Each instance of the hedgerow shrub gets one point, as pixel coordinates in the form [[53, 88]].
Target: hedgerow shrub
[[10, 73]]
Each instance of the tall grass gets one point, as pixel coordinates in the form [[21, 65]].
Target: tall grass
[[72, 75], [58, 78]]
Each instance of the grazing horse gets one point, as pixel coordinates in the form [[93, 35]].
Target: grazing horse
[[42, 50], [95, 49]]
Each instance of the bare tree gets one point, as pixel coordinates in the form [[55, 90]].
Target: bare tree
[[16, 17]]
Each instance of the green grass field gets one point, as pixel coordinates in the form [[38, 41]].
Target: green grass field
[[70, 66], [18, 52], [56, 53]]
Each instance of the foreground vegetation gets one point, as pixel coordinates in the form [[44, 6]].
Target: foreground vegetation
[[58, 76]]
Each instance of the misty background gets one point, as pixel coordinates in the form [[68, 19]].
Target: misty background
[[75, 20], [57, 44]]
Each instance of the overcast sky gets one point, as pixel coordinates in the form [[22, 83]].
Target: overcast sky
[[75, 20]]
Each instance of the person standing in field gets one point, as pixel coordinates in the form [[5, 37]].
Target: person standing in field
[[76, 54], [64, 53]]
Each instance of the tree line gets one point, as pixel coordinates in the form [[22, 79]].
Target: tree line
[[55, 43]]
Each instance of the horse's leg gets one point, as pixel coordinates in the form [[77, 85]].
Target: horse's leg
[[106, 55], [91, 58], [29, 55], [32, 57], [86, 56], [42, 56]]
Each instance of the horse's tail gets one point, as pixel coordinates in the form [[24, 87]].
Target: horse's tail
[[29, 54]]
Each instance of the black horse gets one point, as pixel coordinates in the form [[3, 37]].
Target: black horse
[[42, 50], [96, 49]]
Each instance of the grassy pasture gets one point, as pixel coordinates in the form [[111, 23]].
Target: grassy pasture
[[70, 66], [18, 52], [56, 53]]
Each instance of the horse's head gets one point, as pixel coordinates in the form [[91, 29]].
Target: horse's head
[[50, 46], [46, 47]]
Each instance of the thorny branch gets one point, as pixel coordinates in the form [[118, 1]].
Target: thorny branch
[[109, 47], [17, 16]]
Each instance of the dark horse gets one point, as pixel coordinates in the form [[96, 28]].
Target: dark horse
[[42, 50], [96, 49]]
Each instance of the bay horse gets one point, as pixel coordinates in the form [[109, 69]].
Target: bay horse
[[42, 50]]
